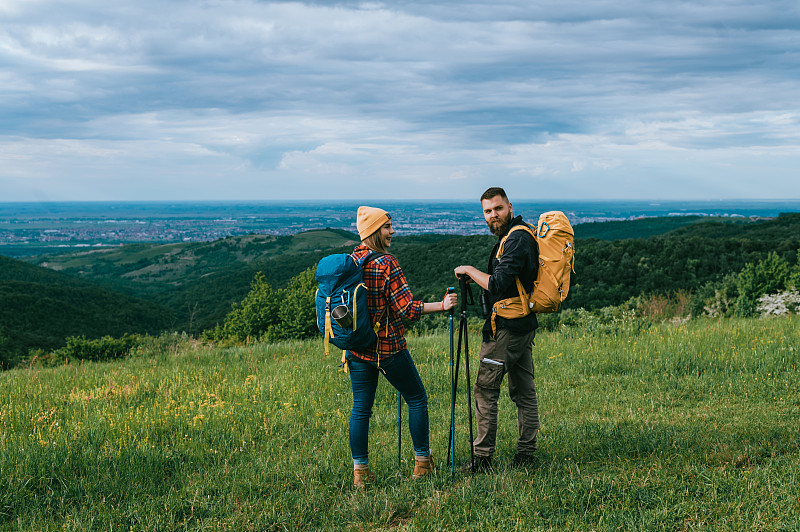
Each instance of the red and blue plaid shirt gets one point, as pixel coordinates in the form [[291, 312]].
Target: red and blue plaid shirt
[[386, 286]]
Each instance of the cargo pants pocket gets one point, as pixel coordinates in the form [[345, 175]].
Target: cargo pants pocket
[[490, 374], [494, 361]]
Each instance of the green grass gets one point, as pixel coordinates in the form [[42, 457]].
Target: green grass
[[692, 426]]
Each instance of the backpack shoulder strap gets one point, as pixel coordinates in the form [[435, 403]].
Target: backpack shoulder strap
[[369, 258], [372, 256], [523, 227], [523, 295], [366, 260]]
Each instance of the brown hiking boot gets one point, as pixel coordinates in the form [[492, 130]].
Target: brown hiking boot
[[525, 461], [362, 475], [423, 465], [480, 464]]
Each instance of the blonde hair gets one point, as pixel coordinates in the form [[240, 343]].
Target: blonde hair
[[376, 241]]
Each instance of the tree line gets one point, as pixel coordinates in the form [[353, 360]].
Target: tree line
[[712, 272], [715, 268]]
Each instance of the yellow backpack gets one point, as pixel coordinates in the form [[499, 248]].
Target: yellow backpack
[[556, 241]]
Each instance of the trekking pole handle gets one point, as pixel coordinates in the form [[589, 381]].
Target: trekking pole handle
[[466, 293], [449, 291]]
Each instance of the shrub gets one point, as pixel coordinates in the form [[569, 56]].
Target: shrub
[[768, 276], [794, 275], [607, 320], [254, 315], [108, 348], [549, 322], [296, 316], [105, 348], [716, 299], [287, 314], [163, 344], [8, 355], [780, 304], [661, 307]]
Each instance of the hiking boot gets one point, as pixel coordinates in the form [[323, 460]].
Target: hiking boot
[[524, 461], [480, 464], [423, 465], [362, 475]]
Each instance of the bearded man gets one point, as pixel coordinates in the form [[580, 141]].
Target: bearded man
[[507, 348]]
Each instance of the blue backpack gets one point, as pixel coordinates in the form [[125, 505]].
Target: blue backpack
[[341, 299]]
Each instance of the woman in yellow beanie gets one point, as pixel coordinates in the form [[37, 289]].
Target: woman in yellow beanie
[[389, 300]]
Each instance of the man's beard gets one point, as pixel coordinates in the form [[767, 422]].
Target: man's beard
[[500, 227]]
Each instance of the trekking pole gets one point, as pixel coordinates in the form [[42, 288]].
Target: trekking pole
[[465, 290], [450, 290], [451, 444], [466, 299], [399, 427]]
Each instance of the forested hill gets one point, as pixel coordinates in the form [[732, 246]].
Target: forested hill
[[150, 268], [191, 286], [785, 226], [200, 280], [39, 308], [611, 272], [647, 227]]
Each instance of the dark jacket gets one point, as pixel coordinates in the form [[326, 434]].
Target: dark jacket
[[520, 258]]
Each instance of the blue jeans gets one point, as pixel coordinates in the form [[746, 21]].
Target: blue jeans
[[401, 373]]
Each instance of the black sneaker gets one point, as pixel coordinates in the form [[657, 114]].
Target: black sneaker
[[524, 461], [481, 464]]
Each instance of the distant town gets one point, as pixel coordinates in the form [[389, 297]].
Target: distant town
[[35, 229]]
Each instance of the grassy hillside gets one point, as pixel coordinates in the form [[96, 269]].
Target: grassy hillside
[[150, 268], [40, 308], [672, 427]]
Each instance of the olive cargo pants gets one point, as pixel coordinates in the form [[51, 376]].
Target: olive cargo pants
[[510, 354]]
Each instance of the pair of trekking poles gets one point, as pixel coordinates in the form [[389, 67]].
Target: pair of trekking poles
[[463, 336]]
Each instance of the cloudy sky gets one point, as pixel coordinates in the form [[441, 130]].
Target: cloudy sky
[[257, 100]]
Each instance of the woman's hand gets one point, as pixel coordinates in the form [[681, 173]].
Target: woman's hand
[[449, 301]]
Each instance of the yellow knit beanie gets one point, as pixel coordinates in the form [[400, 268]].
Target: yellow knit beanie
[[369, 220]]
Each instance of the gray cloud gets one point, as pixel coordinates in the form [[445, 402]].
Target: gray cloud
[[231, 99]]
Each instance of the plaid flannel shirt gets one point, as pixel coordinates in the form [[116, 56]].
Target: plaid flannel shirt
[[387, 285]]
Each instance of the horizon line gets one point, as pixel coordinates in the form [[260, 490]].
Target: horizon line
[[401, 200]]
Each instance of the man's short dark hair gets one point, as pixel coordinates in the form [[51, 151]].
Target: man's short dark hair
[[494, 191]]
